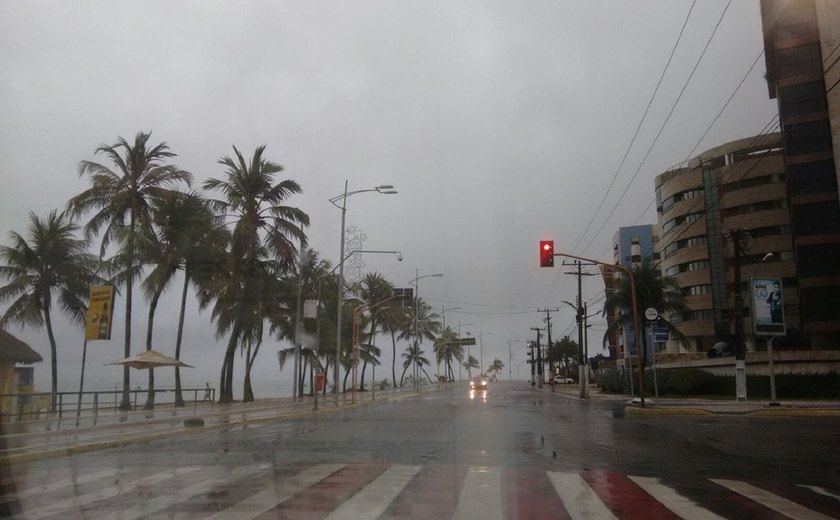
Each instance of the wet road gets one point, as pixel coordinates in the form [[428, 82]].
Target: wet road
[[509, 452]]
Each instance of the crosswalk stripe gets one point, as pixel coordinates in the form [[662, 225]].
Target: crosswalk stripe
[[278, 493], [374, 498], [69, 481], [163, 501], [480, 495], [680, 505], [580, 501], [77, 502], [771, 501]]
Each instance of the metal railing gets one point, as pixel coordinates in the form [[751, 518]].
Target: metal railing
[[33, 406]]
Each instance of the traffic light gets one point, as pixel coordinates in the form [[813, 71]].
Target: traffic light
[[546, 253]]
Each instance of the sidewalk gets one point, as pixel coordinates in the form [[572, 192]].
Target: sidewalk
[[690, 406], [36, 440]]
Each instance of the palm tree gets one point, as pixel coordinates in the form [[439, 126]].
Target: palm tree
[[659, 292], [395, 319], [469, 364], [372, 289], [565, 352], [422, 325], [446, 349], [123, 200], [414, 355], [51, 264], [495, 368], [262, 227]]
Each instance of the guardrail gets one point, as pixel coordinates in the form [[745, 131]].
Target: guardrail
[[33, 406]]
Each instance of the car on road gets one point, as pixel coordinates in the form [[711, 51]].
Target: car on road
[[478, 383], [562, 380]]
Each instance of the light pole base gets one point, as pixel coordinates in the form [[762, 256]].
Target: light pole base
[[740, 380]]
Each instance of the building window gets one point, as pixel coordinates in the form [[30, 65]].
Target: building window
[[816, 219], [767, 205], [687, 267], [673, 247], [820, 303], [798, 61], [815, 177], [684, 219], [819, 260], [812, 137], [802, 99], [696, 290]]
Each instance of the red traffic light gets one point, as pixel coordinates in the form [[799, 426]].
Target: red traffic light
[[546, 253]]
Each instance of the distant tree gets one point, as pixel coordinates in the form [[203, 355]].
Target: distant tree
[[470, 364], [495, 369], [51, 266]]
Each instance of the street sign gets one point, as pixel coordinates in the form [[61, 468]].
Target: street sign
[[651, 314], [310, 309], [100, 311], [464, 342], [661, 333], [405, 296], [767, 306]]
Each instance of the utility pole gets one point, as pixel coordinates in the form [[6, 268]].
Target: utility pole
[[739, 239], [539, 358], [547, 320], [531, 362], [582, 373]]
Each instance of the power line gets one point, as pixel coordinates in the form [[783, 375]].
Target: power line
[[638, 127], [664, 124]]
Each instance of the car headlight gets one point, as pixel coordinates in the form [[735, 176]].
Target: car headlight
[[484, 382]]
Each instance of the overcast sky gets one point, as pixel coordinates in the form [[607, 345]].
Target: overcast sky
[[500, 123]]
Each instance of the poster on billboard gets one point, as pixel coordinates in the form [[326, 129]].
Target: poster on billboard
[[768, 309], [100, 312]]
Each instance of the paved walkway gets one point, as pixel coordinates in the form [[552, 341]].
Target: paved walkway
[[33, 440]]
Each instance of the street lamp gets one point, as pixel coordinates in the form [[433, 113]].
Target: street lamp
[[469, 372], [481, 350], [510, 358], [416, 284], [385, 189], [443, 312]]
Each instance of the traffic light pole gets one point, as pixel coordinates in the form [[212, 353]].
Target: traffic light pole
[[538, 361]]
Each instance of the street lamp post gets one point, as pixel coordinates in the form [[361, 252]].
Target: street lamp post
[[635, 313], [443, 311], [416, 284], [468, 348], [510, 359], [385, 189], [481, 350]]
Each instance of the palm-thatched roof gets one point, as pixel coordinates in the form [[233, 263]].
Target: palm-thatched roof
[[16, 351]]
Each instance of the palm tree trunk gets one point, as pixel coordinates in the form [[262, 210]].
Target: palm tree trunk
[[125, 404], [226, 378], [179, 399], [344, 385], [53, 361], [247, 391], [326, 371], [402, 377], [394, 358], [427, 375], [150, 400], [362, 383]]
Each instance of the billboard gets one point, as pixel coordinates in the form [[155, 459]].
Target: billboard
[[100, 312], [767, 304]]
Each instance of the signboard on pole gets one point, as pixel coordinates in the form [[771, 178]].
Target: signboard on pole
[[310, 309], [405, 296], [767, 306], [100, 312]]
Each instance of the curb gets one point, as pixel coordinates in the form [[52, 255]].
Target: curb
[[673, 411], [649, 412]]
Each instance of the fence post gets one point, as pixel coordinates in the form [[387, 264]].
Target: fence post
[[95, 407], [60, 405]]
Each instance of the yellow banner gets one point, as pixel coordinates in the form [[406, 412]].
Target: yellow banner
[[100, 312]]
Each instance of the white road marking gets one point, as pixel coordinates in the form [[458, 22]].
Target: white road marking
[[165, 500], [769, 500], [76, 503], [821, 491], [481, 495], [678, 504], [281, 491], [372, 500], [580, 500], [69, 481]]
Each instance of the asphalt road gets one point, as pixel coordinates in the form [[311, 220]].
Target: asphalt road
[[510, 450]]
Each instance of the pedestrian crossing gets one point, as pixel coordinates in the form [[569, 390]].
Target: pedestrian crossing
[[366, 491]]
